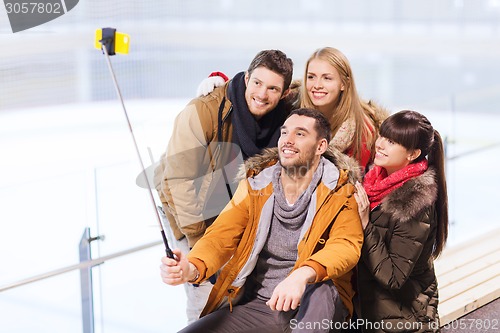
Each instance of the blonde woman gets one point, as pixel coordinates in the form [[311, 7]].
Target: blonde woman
[[329, 87]]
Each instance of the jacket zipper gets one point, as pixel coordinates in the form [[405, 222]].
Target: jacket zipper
[[230, 299]]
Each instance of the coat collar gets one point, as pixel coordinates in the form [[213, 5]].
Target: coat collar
[[329, 178], [406, 202], [266, 163]]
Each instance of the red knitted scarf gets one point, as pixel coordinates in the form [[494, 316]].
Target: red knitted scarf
[[378, 185]]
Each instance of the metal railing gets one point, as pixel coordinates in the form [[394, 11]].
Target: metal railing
[[82, 265]]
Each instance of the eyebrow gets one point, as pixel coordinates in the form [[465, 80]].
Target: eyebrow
[[322, 74], [297, 128], [268, 87]]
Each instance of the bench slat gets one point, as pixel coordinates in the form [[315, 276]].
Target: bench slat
[[469, 282], [460, 273], [459, 256], [469, 300], [468, 276]]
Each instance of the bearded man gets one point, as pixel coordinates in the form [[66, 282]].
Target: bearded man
[[286, 243]]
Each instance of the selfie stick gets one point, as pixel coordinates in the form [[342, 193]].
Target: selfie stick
[[107, 47]]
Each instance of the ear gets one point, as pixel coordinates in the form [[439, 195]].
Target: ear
[[414, 155], [343, 83], [322, 147], [285, 93], [247, 77]]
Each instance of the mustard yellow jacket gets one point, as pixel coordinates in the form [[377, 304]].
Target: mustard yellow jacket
[[330, 242]]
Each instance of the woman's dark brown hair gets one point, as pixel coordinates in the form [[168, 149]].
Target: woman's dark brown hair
[[413, 131]]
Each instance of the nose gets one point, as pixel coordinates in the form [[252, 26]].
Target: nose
[[287, 139], [262, 93], [318, 84], [379, 143]]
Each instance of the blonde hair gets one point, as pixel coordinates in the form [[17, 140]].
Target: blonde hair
[[349, 105]]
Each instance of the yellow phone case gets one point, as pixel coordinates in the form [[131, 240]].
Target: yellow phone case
[[122, 41]]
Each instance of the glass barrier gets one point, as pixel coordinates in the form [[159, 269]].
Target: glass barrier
[[48, 306], [75, 171], [130, 296]]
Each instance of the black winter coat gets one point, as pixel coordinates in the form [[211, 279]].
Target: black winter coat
[[396, 281]]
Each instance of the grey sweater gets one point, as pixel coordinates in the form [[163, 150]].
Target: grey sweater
[[279, 254]]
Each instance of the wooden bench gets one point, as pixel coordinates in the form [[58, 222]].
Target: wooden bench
[[468, 276]]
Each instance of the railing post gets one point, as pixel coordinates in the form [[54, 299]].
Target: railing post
[[86, 286]]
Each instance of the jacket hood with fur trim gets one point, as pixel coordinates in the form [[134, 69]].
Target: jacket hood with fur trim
[[269, 156], [409, 200]]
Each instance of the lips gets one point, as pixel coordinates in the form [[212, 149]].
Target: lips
[[318, 94], [259, 103], [288, 152]]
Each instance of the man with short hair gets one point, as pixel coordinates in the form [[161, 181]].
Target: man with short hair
[[287, 241], [211, 136]]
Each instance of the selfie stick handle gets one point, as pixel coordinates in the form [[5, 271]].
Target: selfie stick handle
[[168, 251]]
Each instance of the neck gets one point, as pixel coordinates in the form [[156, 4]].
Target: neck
[[295, 183], [390, 171], [328, 110]]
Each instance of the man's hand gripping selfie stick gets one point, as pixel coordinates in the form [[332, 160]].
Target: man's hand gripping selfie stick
[[109, 44]]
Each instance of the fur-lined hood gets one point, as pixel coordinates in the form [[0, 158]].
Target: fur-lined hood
[[269, 156], [409, 200]]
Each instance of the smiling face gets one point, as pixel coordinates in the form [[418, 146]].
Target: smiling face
[[264, 91], [392, 156], [299, 146], [323, 85]]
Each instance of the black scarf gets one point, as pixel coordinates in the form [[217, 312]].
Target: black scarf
[[249, 134]]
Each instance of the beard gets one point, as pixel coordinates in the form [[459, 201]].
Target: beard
[[298, 166]]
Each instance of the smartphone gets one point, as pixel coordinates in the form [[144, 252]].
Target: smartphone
[[122, 41]]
